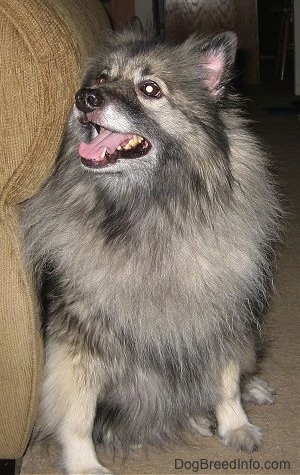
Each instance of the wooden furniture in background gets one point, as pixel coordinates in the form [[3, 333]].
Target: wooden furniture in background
[[121, 11]]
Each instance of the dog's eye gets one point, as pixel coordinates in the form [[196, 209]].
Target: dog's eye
[[150, 89], [103, 76]]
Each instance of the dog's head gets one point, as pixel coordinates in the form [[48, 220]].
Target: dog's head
[[141, 98]]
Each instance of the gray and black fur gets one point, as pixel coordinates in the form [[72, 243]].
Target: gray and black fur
[[155, 272]]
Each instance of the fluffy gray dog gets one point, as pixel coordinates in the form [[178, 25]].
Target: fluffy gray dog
[[151, 244]]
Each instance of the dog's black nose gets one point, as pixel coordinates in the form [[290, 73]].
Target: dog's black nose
[[88, 99]]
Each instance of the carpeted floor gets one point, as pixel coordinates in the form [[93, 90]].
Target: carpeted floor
[[281, 367]]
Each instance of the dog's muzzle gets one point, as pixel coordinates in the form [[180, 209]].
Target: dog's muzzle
[[107, 146], [88, 100]]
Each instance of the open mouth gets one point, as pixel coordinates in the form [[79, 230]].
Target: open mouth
[[108, 147]]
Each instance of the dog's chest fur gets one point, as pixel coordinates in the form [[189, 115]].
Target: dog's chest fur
[[160, 279]]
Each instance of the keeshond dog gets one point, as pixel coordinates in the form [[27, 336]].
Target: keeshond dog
[[152, 245]]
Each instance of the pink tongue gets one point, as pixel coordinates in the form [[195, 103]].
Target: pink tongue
[[105, 140]]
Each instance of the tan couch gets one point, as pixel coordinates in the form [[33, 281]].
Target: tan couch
[[43, 46]]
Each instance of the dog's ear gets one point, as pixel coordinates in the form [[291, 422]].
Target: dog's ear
[[217, 57]]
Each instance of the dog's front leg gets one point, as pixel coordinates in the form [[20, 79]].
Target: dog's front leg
[[233, 424], [67, 410]]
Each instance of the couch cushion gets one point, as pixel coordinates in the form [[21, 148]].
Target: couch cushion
[[21, 354]]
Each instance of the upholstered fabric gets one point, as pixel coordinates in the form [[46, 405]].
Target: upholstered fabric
[[43, 46]]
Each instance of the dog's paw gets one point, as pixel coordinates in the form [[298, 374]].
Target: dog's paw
[[247, 438], [203, 425], [256, 390]]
